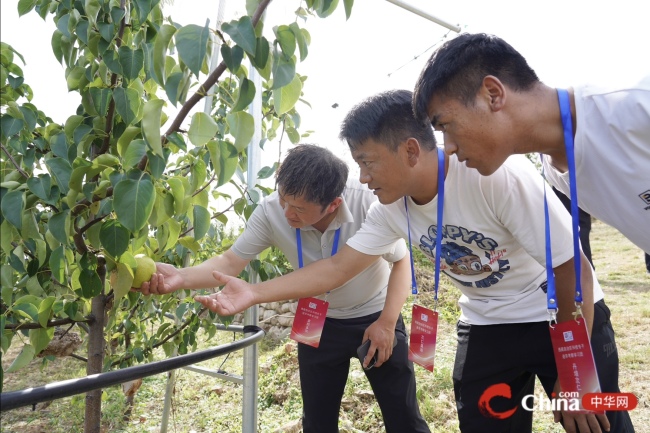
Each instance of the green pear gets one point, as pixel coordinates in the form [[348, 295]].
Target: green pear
[[145, 268]]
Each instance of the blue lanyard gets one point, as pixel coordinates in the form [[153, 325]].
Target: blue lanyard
[[565, 114], [335, 245], [441, 200]]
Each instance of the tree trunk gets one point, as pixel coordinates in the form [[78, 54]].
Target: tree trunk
[[93, 415]]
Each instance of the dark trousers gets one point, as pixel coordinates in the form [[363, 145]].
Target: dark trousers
[[324, 373], [514, 354]]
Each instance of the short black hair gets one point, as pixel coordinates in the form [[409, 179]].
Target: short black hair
[[386, 118], [313, 173], [458, 67]]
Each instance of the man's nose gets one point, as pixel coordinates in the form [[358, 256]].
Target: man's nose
[[364, 177], [450, 145]]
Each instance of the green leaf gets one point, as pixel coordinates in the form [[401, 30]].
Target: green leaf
[[201, 221], [122, 281], [242, 127], [57, 264], [101, 98], [202, 129], [133, 202], [134, 153], [293, 134], [160, 46], [228, 162], [13, 206], [261, 58], [40, 338], [10, 126], [242, 32], [326, 8], [40, 186], [131, 61], [192, 44], [232, 57], [283, 70], [91, 284], [246, 94], [190, 243], [27, 310], [61, 170], [266, 172], [178, 192], [348, 8], [23, 358], [25, 6], [107, 31], [285, 98], [45, 310], [151, 121], [300, 40], [127, 103], [145, 7], [286, 38], [59, 226], [114, 237], [126, 138]]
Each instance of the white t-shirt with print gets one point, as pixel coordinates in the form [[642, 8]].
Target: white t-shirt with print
[[493, 239], [364, 294], [612, 156]]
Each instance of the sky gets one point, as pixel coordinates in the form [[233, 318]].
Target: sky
[[383, 46]]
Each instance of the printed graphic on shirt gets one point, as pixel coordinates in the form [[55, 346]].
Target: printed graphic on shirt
[[645, 196], [467, 256]]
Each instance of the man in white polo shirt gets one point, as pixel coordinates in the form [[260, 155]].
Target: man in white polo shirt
[[315, 210]]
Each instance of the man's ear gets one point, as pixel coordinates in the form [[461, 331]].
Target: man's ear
[[334, 205], [412, 147], [495, 91]]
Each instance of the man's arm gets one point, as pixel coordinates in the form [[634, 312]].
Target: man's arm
[[168, 278], [382, 332], [314, 279]]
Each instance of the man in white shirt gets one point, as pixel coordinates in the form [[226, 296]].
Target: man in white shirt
[[489, 104], [493, 250], [317, 204]]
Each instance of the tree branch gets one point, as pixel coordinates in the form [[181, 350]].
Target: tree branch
[[50, 324], [203, 88], [111, 106], [13, 161]]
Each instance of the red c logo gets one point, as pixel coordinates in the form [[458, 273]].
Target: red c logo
[[498, 390]]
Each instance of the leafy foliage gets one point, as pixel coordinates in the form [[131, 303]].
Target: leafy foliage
[[82, 198]]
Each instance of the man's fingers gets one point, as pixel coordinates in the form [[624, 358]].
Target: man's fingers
[[221, 278], [604, 422]]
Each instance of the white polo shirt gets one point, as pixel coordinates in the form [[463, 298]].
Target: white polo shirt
[[364, 294]]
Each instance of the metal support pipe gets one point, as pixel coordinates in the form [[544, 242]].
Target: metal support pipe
[[67, 388], [426, 15]]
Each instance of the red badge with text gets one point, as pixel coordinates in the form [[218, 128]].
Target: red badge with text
[[424, 328], [573, 357], [309, 321]]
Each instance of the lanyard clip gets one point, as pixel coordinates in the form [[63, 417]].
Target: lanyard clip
[[578, 313], [552, 316]]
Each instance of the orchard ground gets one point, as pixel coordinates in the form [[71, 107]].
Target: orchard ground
[[205, 404]]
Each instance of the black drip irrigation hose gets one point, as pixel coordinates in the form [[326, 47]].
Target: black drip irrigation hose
[[66, 388]]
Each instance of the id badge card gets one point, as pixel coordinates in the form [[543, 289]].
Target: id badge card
[[424, 329], [576, 368], [309, 321]]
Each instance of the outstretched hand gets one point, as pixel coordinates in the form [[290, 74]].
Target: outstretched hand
[[166, 279], [236, 296]]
